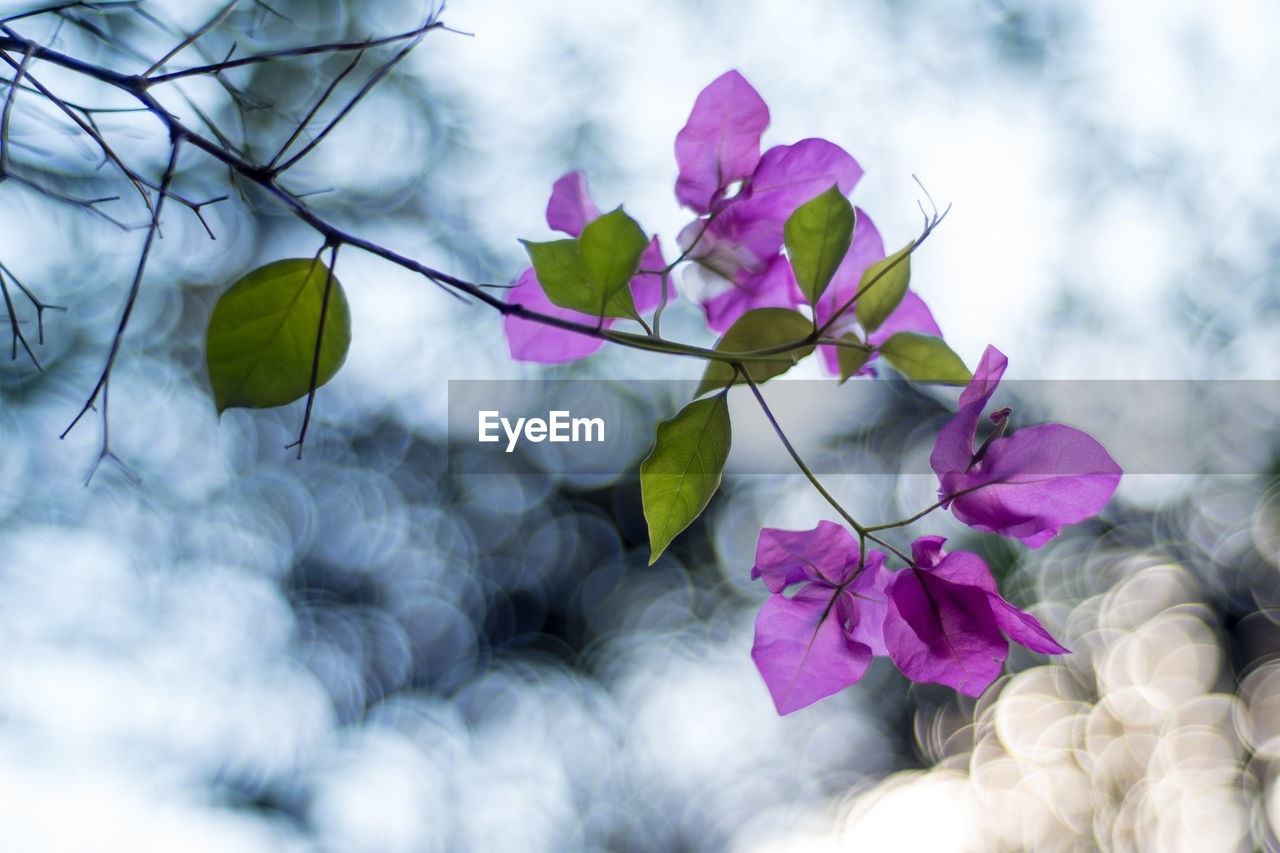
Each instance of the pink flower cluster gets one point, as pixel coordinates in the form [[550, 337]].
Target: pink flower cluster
[[736, 242], [832, 608], [940, 618]]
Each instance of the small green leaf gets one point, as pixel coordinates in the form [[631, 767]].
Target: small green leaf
[[591, 274], [759, 328], [611, 248], [851, 358], [925, 358], [818, 235], [882, 298], [261, 342], [682, 472]]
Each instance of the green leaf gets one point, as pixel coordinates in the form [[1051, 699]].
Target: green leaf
[[851, 358], [682, 472], [882, 298], [261, 342], [818, 235], [563, 276], [591, 274], [611, 247], [925, 358], [759, 328]]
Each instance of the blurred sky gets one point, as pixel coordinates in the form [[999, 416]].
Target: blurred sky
[[250, 653]]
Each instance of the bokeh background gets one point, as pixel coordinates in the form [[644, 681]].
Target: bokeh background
[[372, 650]]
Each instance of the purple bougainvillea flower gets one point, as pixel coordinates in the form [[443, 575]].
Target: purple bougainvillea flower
[[738, 239], [946, 621], [570, 210], [1026, 485], [912, 315], [821, 639], [720, 144]]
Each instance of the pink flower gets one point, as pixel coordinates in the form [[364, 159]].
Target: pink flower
[[739, 239], [946, 620], [570, 210], [1025, 485], [820, 640], [941, 619]]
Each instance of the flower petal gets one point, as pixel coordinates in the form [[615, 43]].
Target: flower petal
[[790, 175], [963, 567], [953, 450], [775, 287], [720, 143], [802, 651], [1031, 483], [868, 602], [530, 341], [926, 552], [911, 315], [942, 632], [570, 207], [823, 554]]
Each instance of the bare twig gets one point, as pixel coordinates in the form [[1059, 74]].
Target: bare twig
[[72, 4], [333, 47], [14, 85], [315, 108], [191, 39], [40, 306], [130, 300], [364, 90]]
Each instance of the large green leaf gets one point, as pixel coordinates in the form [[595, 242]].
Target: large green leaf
[[818, 235], [925, 358], [882, 298], [261, 342], [682, 472], [591, 274], [759, 328]]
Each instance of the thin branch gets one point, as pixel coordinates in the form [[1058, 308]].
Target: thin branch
[[332, 47], [39, 305], [931, 222], [105, 454], [364, 90], [795, 456], [89, 204], [72, 4], [132, 298], [315, 360], [315, 108], [14, 85], [88, 129], [88, 126], [16, 327], [191, 39], [883, 544]]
